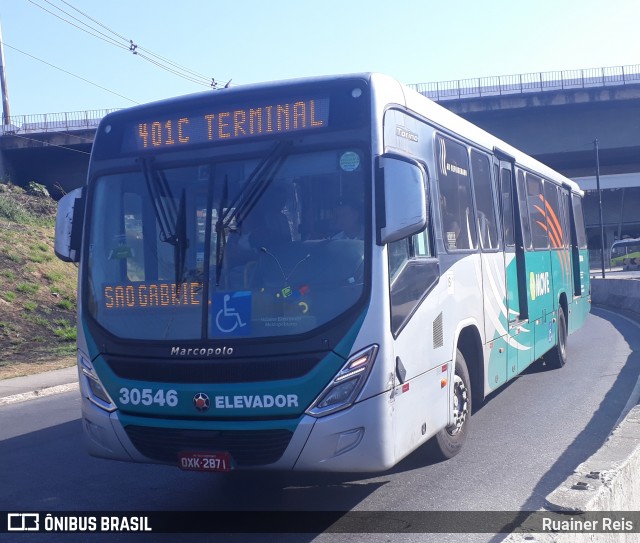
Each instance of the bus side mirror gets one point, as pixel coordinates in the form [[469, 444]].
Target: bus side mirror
[[401, 199], [69, 226]]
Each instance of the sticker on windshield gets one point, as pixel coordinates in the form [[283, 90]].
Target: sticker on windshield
[[349, 161], [231, 313]]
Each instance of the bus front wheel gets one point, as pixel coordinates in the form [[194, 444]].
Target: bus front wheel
[[557, 356], [449, 441]]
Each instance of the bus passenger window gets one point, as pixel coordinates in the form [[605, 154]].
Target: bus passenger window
[[450, 225], [483, 188], [398, 255], [537, 212], [524, 210], [456, 204], [507, 207], [555, 229], [421, 245]]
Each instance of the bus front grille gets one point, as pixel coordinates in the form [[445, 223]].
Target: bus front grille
[[212, 371], [247, 448]]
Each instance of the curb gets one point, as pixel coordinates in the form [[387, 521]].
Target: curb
[[605, 484], [39, 385], [38, 393]]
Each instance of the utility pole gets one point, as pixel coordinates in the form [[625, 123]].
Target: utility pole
[[6, 115], [595, 143]]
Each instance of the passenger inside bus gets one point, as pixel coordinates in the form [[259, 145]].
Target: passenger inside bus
[[348, 219], [450, 223], [263, 227]]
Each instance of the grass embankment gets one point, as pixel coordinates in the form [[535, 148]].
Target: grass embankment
[[37, 290]]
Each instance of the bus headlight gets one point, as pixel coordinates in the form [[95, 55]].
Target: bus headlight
[[343, 390], [92, 387]]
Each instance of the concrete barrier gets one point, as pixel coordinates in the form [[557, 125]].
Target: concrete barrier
[[616, 293], [609, 480]]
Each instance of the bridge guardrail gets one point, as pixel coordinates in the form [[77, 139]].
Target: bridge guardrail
[[531, 82], [438, 91], [54, 122]]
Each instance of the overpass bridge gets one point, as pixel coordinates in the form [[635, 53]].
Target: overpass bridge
[[556, 117], [553, 116], [51, 148]]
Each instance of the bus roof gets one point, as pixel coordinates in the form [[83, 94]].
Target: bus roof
[[442, 116], [388, 91], [626, 241]]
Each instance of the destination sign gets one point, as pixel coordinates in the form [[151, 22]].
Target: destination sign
[[152, 295], [226, 124]]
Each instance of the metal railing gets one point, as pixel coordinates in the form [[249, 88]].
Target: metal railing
[[54, 122], [438, 91], [531, 82]]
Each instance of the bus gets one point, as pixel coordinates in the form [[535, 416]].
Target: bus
[[625, 253], [320, 274]]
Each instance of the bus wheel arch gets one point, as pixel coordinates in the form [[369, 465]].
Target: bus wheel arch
[[470, 345], [449, 441]]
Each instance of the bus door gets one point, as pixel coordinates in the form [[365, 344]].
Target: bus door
[[576, 221], [514, 267], [512, 294]]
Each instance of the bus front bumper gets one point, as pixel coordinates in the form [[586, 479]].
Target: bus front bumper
[[357, 439]]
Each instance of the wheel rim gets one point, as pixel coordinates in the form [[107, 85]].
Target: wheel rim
[[562, 340], [460, 405]]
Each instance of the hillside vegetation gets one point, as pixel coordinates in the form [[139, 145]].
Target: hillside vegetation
[[37, 290]]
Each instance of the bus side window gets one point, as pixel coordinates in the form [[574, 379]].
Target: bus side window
[[483, 189], [421, 244], [537, 212], [412, 273], [507, 207], [398, 255], [456, 204], [555, 227], [524, 211]]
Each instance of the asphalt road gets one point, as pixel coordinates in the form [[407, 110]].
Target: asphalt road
[[525, 440]]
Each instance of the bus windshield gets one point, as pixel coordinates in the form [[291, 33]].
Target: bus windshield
[[270, 245]]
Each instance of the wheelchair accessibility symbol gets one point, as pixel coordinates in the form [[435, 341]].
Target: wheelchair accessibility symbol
[[232, 313]]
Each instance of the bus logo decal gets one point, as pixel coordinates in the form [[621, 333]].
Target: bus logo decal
[[539, 284], [403, 132], [208, 352], [443, 156], [201, 402]]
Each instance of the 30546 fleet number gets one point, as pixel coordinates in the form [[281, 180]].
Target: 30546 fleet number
[[148, 396]]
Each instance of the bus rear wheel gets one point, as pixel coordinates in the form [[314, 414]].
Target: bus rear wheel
[[557, 356], [449, 441]]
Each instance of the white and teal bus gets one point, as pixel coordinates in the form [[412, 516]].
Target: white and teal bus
[[321, 274], [625, 254]]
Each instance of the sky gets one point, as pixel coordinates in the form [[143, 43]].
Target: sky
[[52, 65]]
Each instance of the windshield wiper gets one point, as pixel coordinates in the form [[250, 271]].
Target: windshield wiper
[[171, 219], [252, 190], [181, 242], [221, 238], [256, 183]]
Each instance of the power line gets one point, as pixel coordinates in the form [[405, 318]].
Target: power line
[[93, 20], [157, 60], [168, 69], [100, 35], [151, 53], [69, 73]]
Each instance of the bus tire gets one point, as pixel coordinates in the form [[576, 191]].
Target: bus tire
[[557, 356], [449, 441]]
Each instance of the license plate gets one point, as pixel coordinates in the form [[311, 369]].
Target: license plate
[[204, 461]]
